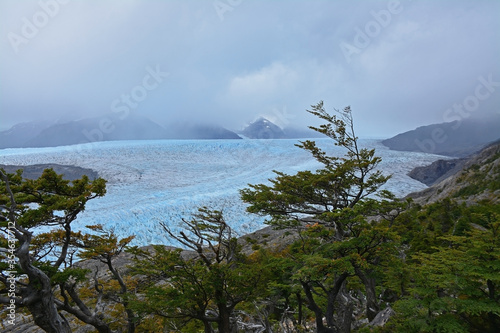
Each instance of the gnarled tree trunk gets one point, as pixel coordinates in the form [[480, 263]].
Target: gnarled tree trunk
[[372, 306], [38, 295]]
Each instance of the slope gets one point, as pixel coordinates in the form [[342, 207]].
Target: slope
[[478, 180]]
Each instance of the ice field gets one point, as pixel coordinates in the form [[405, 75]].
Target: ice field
[[152, 181]]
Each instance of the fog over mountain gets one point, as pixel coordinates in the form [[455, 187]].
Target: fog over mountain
[[458, 138], [106, 128], [398, 64]]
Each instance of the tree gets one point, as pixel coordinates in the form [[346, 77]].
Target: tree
[[334, 209], [454, 285], [45, 260], [283, 297], [206, 284], [104, 246]]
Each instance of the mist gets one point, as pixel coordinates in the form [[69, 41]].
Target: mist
[[398, 64]]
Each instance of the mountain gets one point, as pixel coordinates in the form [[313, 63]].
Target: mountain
[[17, 135], [263, 129], [199, 132], [106, 128], [457, 139], [477, 180]]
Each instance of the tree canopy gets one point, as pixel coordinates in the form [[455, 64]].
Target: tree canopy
[[334, 209]]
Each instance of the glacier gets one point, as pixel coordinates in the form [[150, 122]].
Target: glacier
[[168, 180]]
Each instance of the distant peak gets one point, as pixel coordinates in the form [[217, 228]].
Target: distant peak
[[263, 129], [261, 120]]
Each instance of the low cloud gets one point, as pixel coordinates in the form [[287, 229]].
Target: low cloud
[[263, 57], [273, 80]]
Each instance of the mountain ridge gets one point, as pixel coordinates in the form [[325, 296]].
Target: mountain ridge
[[454, 139], [105, 128]]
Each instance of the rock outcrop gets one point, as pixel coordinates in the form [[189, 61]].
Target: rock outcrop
[[437, 171]]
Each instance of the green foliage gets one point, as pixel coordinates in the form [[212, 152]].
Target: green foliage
[[74, 274], [453, 281], [103, 245], [332, 208], [207, 284], [341, 183], [49, 281], [456, 286], [422, 228], [478, 179], [49, 200]]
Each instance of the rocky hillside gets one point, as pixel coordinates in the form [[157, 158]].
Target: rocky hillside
[[437, 171], [478, 179], [34, 171]]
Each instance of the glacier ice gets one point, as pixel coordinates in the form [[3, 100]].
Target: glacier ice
[[167, 180]]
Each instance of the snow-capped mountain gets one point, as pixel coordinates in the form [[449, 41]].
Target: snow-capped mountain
[[263, 129]]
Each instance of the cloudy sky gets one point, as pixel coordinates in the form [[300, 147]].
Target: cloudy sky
[[398, 64]]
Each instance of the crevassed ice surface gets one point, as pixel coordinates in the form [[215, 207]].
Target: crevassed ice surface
[[167, 180]]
